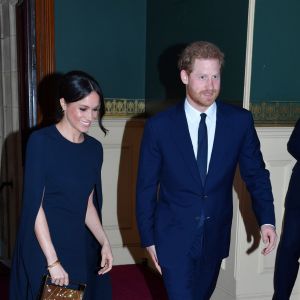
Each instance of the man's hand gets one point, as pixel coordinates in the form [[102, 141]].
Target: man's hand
[[269, 238], [152, 252]]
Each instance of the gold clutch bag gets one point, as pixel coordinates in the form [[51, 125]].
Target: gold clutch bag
[[50, 291]]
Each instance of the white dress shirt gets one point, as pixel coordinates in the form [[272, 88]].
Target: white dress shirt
[[193, 119]]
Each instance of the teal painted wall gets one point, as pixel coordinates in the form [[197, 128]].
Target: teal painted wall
[[171, 24], [275, 93], [131, 46], [105, 39], [276, 48]]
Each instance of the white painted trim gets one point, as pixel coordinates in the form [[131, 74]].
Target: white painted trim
[[249, 49]]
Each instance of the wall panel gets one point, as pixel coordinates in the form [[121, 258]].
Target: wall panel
[[121, 151], [247, 273]]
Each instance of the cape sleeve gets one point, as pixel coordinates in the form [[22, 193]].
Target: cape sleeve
[[33, 187], [98, 200], [34, 182], [99, 286], [93, 247]]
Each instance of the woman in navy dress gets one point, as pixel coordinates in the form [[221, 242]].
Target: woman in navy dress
[[60, 229]]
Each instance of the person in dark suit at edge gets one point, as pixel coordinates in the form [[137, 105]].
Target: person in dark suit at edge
[[288, 253], [188, 158]]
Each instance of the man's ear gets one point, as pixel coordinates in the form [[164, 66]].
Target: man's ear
[[184, 76]]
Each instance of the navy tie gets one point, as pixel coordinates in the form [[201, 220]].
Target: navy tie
[[202, 148]]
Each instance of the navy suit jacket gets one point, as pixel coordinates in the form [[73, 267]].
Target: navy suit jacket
[[174, 211], [293, 195]]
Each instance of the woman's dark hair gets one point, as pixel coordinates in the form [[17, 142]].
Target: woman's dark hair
[[76, 85]]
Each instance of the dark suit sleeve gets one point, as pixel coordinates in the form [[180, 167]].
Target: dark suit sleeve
[[255, 175], [294, 142], [147, 185]]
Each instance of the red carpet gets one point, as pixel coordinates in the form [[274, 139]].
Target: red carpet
[[4, 281], [129, 282], [3, 287], [137, 282]]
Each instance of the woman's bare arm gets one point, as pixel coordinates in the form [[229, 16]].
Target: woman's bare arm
[[57, 272], [93, 223]]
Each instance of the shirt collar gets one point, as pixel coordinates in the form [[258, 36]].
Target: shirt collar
[[194, 115]]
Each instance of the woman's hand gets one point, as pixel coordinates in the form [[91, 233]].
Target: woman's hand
[[107, 259], [58, 274]]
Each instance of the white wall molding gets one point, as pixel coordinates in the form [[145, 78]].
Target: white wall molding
[[249, 50], [121, 152], [242, 267]]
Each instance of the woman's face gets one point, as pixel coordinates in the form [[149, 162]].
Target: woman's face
[[79, 115]]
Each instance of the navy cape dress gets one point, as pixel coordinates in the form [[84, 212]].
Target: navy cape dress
[[60, 176]]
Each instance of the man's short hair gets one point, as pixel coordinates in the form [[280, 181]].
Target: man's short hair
[[200, 50]]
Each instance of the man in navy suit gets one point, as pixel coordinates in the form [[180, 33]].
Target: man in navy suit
[[189, 154], [288, 253]]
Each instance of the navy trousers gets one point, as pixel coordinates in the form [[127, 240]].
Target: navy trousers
[[288, 253], [194, 279]]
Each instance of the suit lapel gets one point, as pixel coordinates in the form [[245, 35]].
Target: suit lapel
[[181, 136], [217, 155]]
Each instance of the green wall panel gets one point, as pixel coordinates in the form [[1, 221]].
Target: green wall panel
[[172, 24], [131, 47], [106, 39], [275, 94], [276, 48]]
